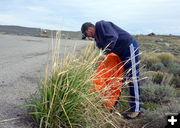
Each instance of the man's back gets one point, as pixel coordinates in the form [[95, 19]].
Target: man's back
[[107, 32]]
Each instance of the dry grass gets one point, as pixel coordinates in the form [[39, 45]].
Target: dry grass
[[64, 100]]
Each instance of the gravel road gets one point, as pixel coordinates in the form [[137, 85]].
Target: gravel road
[[22, 62]]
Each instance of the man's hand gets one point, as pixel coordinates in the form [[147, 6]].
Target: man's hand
[[102, 57]]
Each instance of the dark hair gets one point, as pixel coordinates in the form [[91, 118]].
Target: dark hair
[[84, 28]]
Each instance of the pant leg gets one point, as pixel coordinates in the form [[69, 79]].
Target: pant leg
[[132, 55]]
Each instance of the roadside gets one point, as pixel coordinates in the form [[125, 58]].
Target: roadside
[[22, 62]]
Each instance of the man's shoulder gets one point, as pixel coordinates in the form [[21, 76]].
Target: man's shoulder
[[100, 22]]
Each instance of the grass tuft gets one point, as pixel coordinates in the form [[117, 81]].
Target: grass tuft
[[64, 100]]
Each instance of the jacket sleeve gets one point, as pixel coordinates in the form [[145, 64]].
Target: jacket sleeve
[[110, 37]]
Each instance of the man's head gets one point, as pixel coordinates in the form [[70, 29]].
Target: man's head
[[88, 30]]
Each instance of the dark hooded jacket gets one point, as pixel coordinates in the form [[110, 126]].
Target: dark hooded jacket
[[111, 38]]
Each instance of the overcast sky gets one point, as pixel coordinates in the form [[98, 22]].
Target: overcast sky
[[134, 16]]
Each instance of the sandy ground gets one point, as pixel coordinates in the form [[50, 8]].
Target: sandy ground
[[22, 62]]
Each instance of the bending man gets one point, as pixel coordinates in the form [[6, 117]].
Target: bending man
[[112, 39]]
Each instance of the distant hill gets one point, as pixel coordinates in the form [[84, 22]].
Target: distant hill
[[19, 30]]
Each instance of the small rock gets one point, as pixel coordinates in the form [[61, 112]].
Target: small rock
[[159, 40], [167, 44], [151, 34]]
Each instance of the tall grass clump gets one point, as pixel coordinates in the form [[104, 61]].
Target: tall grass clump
[[64, 99]]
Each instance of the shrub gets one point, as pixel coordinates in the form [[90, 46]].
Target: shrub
[[162, 78], [157, 117], [176, 81], [157, 77], [175, 69], [159, 61], [166, 58], [150, 61], [144, 75], [157, 67], [157, 93]]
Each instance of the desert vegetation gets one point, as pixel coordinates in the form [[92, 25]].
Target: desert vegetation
[[161, 66], [64, 99]]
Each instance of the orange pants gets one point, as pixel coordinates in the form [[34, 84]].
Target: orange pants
[[108, 79]]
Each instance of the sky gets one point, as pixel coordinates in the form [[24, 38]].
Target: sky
[[134, 16]]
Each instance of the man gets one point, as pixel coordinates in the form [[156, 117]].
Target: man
[[111, 38]]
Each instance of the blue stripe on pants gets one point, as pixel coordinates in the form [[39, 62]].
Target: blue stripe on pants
[[132, 55]]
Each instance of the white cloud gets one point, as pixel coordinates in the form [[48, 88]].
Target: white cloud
[[133, 15], [7, 19], [4, 17], [38, 9]]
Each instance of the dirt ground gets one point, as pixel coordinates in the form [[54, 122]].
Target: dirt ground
[[22, 62]]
